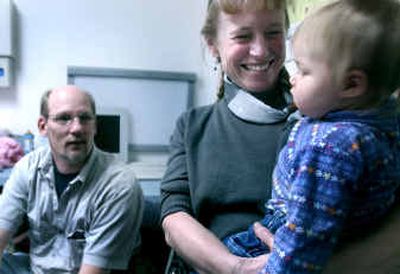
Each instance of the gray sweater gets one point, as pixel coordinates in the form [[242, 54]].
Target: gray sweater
[[220, 167]]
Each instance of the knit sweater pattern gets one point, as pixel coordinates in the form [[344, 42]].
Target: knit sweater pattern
[[336, 176]]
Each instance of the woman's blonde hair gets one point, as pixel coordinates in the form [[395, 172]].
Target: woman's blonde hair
[[357, 34], [215, 7]]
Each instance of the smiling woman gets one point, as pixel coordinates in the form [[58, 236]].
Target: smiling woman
[[219, 171], [250, 47]]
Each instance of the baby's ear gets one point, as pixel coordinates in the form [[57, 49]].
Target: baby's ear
[[355, 84]]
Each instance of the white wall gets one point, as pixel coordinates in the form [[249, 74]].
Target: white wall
[[133, 34]]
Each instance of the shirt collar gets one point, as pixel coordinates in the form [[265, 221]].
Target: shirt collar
[[46, 165], [85, 172]]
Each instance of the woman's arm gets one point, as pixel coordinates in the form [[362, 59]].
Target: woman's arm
[[202, 250], [196, 245], [191, 240]]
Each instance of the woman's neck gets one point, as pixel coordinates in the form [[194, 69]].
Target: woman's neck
[[273, 97]]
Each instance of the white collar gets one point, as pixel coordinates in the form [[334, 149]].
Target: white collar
[[247, 107]]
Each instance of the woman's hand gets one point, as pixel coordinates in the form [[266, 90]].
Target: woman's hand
[[250, 265], [256, 264], [264, 234]]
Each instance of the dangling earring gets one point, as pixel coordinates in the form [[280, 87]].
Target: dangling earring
[[217, 62]]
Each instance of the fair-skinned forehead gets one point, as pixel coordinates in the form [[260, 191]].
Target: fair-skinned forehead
[[301, 42], [247, 20], [68, 99]]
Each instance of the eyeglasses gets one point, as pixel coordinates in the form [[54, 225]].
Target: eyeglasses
[[67, 119]]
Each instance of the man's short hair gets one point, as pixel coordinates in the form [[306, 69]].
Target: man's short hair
[[44, 102]]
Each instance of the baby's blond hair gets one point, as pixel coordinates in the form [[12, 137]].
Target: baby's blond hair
[[357, 34]]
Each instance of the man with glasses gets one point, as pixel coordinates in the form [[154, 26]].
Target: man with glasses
[[83, 206]]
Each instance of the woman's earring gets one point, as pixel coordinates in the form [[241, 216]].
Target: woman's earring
[[217, 62]]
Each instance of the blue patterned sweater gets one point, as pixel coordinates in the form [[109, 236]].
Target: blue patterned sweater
[[335, 175]]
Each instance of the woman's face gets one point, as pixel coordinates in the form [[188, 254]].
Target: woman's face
[[251, 46]]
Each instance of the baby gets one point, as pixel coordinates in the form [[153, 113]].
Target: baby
[[338, 173]]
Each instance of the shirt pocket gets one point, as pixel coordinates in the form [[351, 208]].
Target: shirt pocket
[[76, 238], [76, 247]]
